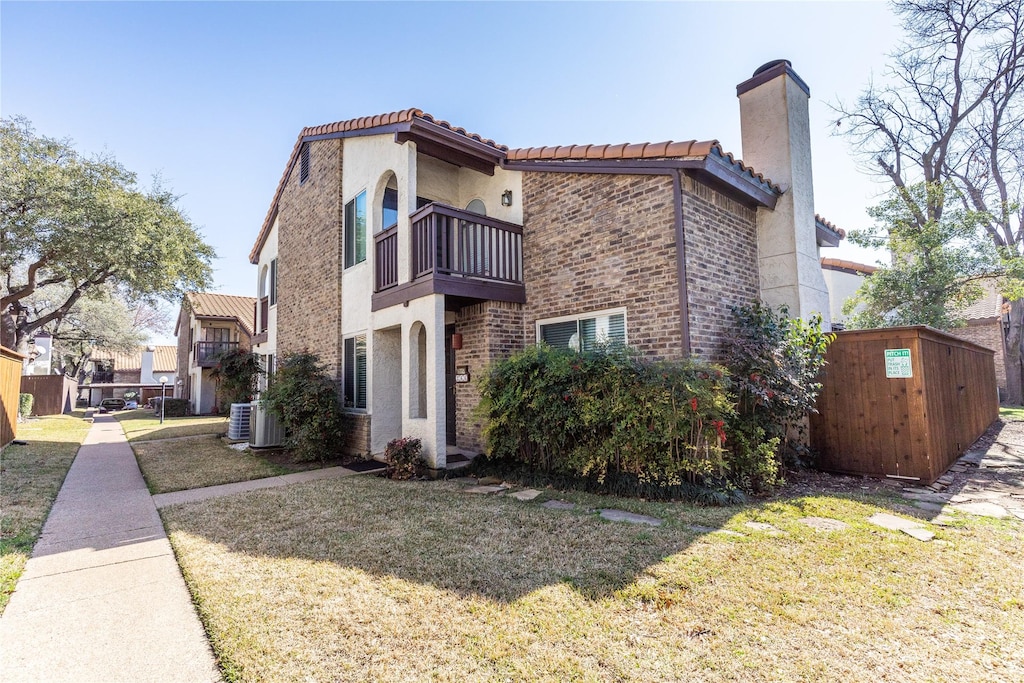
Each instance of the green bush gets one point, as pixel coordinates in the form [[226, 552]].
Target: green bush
[[237, 374], [25, 402], [305, 398], [776, 362], [175, 407], [403, 457], [608, 413]]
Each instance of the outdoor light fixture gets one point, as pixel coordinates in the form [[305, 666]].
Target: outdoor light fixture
[[506, 198], [456, 340], [163, 396]]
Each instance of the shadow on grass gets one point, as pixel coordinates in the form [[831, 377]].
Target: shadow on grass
[[483, 546]]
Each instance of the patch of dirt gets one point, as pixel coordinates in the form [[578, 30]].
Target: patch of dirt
[[285, 458]]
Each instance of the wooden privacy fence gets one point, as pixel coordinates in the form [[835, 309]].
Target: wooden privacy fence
[[53, 394], [10, 387], [902, 402]]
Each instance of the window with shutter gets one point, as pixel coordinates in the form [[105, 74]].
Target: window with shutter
[[355, 372], [273, 282], [355, 230]]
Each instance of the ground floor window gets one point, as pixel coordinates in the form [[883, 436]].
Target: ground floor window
[[585, 332], [355, 372]]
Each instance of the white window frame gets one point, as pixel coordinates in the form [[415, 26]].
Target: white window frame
[[606, 313]]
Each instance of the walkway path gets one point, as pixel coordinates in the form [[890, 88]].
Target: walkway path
[[102, 598]]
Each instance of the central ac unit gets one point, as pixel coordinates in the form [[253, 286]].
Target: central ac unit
[[264, 429]]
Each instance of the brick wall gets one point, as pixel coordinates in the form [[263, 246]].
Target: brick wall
[[491, 331], [721, 264], [310, 261], [595, 241], [990, 335], [356, 434]]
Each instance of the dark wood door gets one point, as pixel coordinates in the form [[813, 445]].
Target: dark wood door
[[449, 384]]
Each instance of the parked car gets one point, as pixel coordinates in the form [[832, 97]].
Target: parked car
[[131, 404], [111, 404]]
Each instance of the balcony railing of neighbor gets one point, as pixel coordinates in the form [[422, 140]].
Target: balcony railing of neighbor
[[208, 353]]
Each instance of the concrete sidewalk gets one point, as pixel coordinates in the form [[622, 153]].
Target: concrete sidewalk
[[102, 598]]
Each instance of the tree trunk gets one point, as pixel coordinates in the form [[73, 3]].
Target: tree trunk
[[1012, 354]]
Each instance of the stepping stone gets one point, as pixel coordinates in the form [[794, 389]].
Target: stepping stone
[[558, 505], [489, 481], [762, 526], [1017, 513], [525, 494], [484, 489], [919, 533], [630, 517], [823, 523], [943, 520], [928, 497], [930, 507], [907, 526], [892, 522], [982, 509], [701, 529], [972, 457]]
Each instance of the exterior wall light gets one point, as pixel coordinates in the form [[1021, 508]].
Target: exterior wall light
[[506, 198], [456, 340]]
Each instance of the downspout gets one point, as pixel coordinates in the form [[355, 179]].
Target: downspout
[[684, 295]]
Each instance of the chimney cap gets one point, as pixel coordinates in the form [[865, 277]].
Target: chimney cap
[[769, 72], [768, 65]]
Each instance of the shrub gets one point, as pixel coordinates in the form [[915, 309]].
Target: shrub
[[25, 402], [305, 398], [175, 407], [775, 362], [608, 413], [403, 457], [237, 374]]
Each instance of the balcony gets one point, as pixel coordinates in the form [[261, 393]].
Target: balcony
[[457, 253], [207, 354], [102, 377]]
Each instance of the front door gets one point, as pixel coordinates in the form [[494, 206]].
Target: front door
[[449, 384]]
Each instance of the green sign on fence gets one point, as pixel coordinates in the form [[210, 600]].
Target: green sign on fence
[[897, 363]]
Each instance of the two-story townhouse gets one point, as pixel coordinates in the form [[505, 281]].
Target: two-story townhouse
[[109, 373], [409, 254], [208, 326]]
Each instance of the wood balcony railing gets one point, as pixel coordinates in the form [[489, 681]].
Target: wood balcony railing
[[208, 353], [264, 313], [453, 252]]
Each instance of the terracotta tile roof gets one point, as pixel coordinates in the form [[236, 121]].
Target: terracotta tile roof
[[688, 149], [840, 264], [165, 358], [207, 305], [830, 226], [350, 125]]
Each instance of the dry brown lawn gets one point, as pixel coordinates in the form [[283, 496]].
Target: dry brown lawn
[[30, 478], [189, 463], [144, 425], [367, 579]]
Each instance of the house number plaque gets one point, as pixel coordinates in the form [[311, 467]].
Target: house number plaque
[[462, 374]]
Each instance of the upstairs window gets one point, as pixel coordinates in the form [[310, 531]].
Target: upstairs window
[[273, 282], [584, 333], [355, 230], [355, 372], [304, 163]]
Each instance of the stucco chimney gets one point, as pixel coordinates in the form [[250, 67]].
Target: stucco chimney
[[146, 373], [776, 133]]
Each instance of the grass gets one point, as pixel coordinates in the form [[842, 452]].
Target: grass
[[369, 579], [143, 425], [196, 462], [1011, 413], [30, 477]]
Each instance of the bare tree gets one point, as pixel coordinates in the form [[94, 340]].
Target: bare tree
[[950, 113]]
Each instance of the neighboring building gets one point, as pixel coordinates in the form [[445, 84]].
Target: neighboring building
[[843, 279], [109, 374], [209, 325], [984, 326], [410, 254]]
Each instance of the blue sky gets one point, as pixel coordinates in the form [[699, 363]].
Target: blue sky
[[211, 95]]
